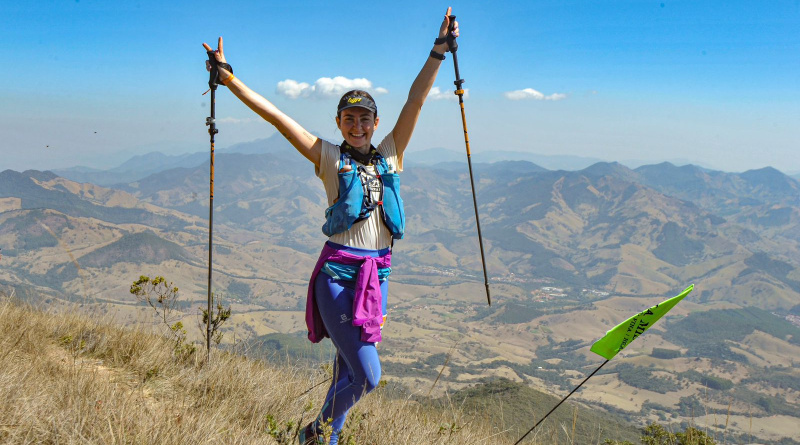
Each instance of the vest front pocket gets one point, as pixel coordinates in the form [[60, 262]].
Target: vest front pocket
[[393, 215], [343, 213]]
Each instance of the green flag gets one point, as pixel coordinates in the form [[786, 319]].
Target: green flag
[[624, 333]]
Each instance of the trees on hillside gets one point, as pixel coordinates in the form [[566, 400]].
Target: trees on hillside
[[162, 296], [655, 434]]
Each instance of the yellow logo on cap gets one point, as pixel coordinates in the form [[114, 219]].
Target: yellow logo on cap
[[354, 100]]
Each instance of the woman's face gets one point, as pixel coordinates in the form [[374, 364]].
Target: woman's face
[[357, 125]]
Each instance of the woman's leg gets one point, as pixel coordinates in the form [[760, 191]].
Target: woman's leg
[[361, 371], [341, 378]]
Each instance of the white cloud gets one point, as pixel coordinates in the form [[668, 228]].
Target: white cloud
[[325, 87], [531, 94], [437, 93], [291, 88]]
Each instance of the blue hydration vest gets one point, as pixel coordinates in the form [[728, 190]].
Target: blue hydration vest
[[355, 200]]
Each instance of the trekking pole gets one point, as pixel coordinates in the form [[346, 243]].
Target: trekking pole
[[451, 42], [212, 130], [316, 385], [559, 403]]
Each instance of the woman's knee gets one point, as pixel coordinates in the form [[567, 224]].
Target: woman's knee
[[372, 381], [367, 377]]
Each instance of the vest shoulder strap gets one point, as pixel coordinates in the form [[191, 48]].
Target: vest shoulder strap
[[381, 166]]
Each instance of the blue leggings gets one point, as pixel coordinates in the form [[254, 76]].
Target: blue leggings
[[357, 368]]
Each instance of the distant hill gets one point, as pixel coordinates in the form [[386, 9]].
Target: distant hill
[[553, 162], [132, 170], [140, 248], [45, 190], [522, 407], [141, 166]]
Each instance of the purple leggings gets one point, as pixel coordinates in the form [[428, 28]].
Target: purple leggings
[[357, 368]]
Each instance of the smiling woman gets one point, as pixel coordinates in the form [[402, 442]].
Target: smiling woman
[[348, 289]]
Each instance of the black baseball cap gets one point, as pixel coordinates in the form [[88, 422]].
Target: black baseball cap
[[357, 100]]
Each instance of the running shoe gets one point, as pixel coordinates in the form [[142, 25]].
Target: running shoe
[[309, 436]]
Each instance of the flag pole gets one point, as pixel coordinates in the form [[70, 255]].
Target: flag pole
[[621, 336], [562, 401]]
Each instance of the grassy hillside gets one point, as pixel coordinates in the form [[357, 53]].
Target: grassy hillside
[[74, 379], [516, 408]]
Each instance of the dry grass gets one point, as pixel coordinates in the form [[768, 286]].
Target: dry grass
[[69, 379]]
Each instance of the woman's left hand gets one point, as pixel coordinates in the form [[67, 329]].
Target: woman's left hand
[[446, 25]]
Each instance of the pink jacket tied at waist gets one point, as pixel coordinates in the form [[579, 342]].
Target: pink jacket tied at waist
[[367, 311]]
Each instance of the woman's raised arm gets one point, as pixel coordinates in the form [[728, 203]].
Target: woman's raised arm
[[421, 87], [306, 143]]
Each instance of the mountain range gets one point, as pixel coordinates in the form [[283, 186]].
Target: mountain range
[[562, 247], [638, 231]]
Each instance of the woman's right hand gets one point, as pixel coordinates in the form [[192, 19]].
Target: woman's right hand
[[218, 55], [306, 143]]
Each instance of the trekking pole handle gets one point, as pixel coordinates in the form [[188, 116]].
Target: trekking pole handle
[[451, 40], [452, 48], [214, 72]]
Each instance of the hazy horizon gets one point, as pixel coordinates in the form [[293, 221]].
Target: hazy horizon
[[557, 161], [712, 83]]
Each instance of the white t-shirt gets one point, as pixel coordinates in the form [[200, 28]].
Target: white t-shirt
[[370, 233]]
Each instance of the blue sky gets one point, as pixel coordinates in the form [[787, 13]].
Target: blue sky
[[709, 82]]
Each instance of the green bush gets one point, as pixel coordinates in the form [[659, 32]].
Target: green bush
[[665, 353], [644, 378], [709, 381]]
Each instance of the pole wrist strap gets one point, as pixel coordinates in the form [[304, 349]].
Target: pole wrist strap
[[226, 66]]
